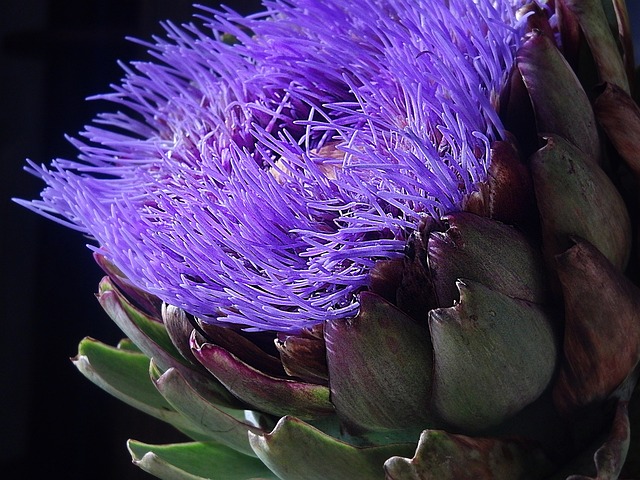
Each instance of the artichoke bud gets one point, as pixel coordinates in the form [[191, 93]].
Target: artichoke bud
[[493, 355], [602, 327], [485, 251], [576, 197]]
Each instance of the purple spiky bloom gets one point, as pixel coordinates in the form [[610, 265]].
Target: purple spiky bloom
[[263, 165]]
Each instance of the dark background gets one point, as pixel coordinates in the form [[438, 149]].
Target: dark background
[[53, 421]]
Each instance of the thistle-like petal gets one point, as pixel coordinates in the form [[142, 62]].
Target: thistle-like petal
[[256, 182]]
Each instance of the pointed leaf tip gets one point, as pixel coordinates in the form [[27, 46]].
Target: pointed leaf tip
[[485, 251], [493, 356], [295, 450], [605, 458], [196, 461], [146, 331], [576, 197], [560, 104], [125, 375], [593, 22]]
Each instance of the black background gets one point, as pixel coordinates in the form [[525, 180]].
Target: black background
[[53, 421]]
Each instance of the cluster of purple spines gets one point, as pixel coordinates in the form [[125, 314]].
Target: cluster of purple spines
[[265, 163]]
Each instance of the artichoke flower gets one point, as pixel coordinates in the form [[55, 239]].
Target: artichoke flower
[[371, 240]]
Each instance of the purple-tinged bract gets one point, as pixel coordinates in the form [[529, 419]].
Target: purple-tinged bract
[[262, 164]]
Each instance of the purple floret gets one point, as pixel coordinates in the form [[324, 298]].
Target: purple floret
[[262, 165]]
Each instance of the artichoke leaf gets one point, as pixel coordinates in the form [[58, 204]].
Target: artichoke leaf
[[602, 328], [485, 251], [592, 18], [507, 193], [553, 87], [221, 424], [625, 36], [303, 355], [445, 456], [127, 345], [295, 450], [619, 116], [576, 197], [632, 465], [242, 346], [178, 328], [197, 461], [142, 299], [151, 337], [493, 356], [147, 332], [273, 395], [380, 368], [125, 375]]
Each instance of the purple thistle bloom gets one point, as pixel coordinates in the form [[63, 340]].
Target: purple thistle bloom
[[265, 163]]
